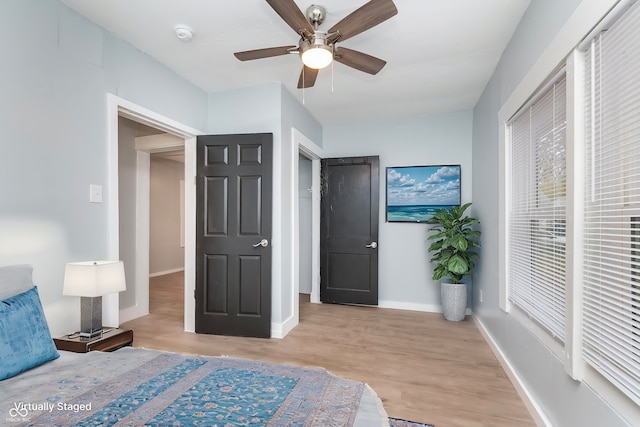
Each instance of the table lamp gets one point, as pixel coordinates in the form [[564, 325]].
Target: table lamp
[[90, 280]]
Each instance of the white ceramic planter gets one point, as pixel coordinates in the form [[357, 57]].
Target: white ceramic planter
[[454, 301]]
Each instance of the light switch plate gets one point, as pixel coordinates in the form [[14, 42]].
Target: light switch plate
[[95, 193]]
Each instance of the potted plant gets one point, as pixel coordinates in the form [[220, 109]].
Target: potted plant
[[452, 251]]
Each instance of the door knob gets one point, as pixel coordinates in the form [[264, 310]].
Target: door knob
[[264, 243], [372, 245]]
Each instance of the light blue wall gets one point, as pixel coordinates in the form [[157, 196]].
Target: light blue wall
[[294, 114], [250, 110], [57, 69], [404, 271], [564, 401]]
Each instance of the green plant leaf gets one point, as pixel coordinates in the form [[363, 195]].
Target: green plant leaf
[[437, 236], [459, 241], [471, 233], [435, 246], [458, 265], [439, 272]]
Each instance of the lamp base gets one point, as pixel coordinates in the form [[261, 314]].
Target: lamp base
[[90, 334], [90, 317]]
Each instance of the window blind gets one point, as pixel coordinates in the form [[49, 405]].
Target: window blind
[[536, 272], [611, 288]]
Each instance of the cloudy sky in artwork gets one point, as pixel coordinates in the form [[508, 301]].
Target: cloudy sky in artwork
[[423, 185]]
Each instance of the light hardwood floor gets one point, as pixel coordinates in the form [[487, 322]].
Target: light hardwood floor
[[422, 367]]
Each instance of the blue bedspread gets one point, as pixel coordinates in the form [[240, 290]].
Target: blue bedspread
[[137, 387]]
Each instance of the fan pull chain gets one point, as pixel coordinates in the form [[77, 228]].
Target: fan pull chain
[[332, 76], [303, 84]]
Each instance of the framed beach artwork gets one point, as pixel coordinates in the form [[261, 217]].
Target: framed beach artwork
[[415, 193]]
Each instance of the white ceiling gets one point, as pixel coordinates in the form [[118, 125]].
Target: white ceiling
[[440, 53]]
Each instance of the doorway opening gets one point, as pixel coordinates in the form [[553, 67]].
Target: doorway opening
[[151, 242], [135, 303], [307, 156], [305, 226]]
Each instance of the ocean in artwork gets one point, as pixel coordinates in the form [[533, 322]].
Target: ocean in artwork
[[413, 213]]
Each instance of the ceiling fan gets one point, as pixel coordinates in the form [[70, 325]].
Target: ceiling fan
[[316, 48]]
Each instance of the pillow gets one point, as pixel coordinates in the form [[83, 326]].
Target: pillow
[[25, 340], [14, 280]]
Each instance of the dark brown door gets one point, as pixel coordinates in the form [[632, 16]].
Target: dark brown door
[[233, 242], [349, 230]]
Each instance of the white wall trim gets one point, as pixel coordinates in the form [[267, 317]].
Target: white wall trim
[[116, 107], [280, 330], [165, 272], [111, 303], [190, 168], [148, 117], [294, 266], [303, 145], [531, 404], [159, 143], [412, 306], [277, 262], [141, 269], [131, 313], [574, 251]]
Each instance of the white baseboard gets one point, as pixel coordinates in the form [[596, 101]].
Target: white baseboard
[[427, 308], [280, 330], [131, 313], [163, 273], [532, 405]]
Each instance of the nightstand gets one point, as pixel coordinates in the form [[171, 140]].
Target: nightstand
[[111, 339]]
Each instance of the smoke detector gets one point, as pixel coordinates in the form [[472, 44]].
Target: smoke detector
[[184, 33]]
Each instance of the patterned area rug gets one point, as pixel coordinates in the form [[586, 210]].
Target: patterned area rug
[[176, 390], [397, 422]]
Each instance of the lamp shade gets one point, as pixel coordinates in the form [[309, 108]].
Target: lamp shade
[[93, 278]]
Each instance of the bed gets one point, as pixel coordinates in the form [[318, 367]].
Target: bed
[[42, 386]]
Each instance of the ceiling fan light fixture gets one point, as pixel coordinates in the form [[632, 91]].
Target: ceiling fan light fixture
[[317, 48], [317, 55]]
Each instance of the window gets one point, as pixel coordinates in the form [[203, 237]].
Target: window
[[537, 209], [570, 209], [611, 288]]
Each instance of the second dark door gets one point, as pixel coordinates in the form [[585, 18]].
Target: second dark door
[[349, 230]]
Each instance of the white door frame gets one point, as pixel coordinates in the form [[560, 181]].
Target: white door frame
[[116, 107], [303, 145]]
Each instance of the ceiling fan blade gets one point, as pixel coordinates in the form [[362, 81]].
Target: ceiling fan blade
[[367, 16], [307, 77], [248, 55], [358, 60], [292, 15]]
